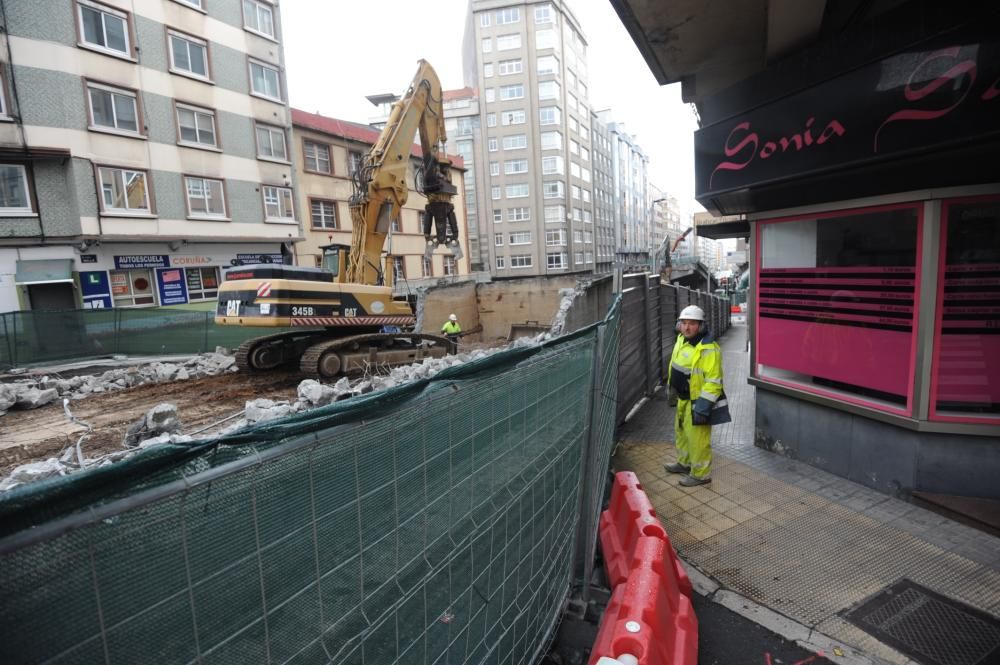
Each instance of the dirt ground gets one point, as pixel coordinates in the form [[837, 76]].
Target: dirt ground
[[27, 436]]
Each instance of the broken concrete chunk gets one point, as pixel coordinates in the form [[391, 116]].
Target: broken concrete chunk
[[262, 410], [32, 398], [314, 393], [161, 419], [8, 396], [29, 473], [222, 351]]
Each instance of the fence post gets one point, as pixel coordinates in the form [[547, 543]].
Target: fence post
[[586, 532], [7, 341], [209, 319]]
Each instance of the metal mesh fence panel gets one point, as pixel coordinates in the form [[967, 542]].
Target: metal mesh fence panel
[[431, 523], [39, 337]]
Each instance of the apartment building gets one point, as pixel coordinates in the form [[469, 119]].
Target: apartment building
[[630, 207], [603, 196], [328, 151], [143, 149], [528, 60]]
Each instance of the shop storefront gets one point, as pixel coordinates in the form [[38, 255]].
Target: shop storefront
[[873, 201]]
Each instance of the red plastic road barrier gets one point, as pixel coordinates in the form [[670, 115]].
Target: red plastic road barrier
[[648, 617], [629, 515], [735, 309]]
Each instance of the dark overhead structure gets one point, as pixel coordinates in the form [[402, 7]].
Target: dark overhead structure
[[859, 139]]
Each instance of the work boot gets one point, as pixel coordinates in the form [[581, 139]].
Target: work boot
[[676, 467], [691, 481]]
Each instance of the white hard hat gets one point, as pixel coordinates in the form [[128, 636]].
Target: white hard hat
[[692, 313], [453, 318]]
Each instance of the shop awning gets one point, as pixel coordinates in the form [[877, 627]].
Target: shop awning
[[44, 271]]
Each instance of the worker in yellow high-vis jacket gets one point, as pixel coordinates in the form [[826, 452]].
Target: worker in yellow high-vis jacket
[[695, 373]]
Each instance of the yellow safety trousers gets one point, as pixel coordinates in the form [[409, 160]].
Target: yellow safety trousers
[[694, 448]]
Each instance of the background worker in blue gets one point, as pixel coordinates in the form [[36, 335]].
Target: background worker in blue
[[695, 372]]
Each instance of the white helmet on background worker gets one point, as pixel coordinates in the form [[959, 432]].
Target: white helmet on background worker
[[692, 313], [453, 318]]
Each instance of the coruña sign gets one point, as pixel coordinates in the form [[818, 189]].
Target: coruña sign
[[921, 100]]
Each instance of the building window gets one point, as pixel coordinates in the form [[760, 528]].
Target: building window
[[552, 141], [574, 169], [543, 14], [575, 192], [113, 108], [586, 195], [556, 261], [258, 17], [515, 142], [497, 215], [492, 144], [506, 67], [123, 191], [131, 288], [495, 192], [491, 119], [104, 29], [484, 20], [398, 269], [202, 283], [547, 64], [193, 3], [574, 147], [323, 214], [188, 55], [508, 42], [501, 263], [836, 304], [450, 265], [965, 371], [487, 45], [549, 115], [491, 95], [277, 204], [520, 238], [555, 214], [396, 226], [509, 15], [553, 190], [577, 216], [205, 197], [196, 126], [494, 168], [547, 39], [519, 214], [498, 239], [271, 143], [426, 267], [548, 90], [553, 165], [512, 117], [520, 261], [512, 92], [514, 166], [488, 70], [555, 238], [517, 190], [15, 195], [265, 81], [316, 157]]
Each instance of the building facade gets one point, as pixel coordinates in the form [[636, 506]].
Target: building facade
[[328, 151], [529, 61], [143, 149], [604, 191], [630, 205]]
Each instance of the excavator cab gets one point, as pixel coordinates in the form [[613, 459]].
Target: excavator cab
[[334, 256]]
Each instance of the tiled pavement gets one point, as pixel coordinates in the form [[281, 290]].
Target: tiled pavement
[[795, 539]]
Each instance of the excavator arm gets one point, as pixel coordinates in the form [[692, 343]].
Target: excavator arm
[[380, 189]]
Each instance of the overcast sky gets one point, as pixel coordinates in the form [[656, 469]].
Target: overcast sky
[[337, 53]]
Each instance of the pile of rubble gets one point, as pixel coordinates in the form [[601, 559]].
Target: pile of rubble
[[32, 393]]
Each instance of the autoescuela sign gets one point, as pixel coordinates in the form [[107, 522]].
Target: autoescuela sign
[[142, 261], [943, 94]]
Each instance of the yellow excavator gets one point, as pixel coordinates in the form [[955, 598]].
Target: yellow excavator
[[347, 317]]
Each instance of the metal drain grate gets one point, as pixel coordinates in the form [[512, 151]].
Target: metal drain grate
[[930, 628]]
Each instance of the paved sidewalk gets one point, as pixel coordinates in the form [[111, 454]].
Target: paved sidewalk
[[800, 541]]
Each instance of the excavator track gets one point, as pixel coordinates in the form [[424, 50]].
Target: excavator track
[[334, 357], [260, 354]]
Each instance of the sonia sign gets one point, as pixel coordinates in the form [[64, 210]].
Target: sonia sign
[[943, 96]]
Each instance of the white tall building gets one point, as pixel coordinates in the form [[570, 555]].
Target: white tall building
[[535, 187]]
